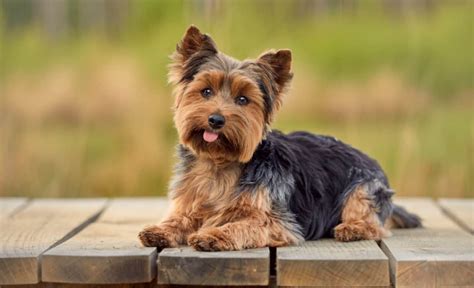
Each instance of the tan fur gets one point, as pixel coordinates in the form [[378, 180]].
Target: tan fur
[[193, 111], [209, 216], [359, 219], [280, 63]]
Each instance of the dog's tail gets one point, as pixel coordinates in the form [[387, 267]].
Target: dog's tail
[[401, 218]]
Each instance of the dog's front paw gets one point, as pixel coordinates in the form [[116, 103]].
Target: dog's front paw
[[156, 236], [211, 240]]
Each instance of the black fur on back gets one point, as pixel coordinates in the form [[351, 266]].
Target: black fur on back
[[310, 176]]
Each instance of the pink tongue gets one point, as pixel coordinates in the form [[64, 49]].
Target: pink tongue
[[210, 136]]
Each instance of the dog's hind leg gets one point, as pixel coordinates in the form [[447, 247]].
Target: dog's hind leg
[[361, 213]]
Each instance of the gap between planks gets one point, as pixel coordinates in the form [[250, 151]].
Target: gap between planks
[[431, 220], [108, 251], [9, 206], [461, 211], [440, 254], [78, 229], [36, 228]]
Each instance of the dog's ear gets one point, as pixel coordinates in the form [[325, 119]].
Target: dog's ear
[[194, 41], [279, 63], [190, 53]]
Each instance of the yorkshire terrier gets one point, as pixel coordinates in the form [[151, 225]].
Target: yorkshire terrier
[[239, 184]]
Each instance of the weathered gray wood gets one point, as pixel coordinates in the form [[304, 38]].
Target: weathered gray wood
[[327, 262], [140, 211], [31, 231], [185, 266], [10, 205], [439, 255], [427, 209], [108, 251], [460, 210]]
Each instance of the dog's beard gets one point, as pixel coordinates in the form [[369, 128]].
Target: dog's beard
[[222, 148]]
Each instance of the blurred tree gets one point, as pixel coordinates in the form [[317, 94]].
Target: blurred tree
[[58, 19], [52, 15], [17, 14]]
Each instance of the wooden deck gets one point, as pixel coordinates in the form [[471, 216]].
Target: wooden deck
[[89, 242]]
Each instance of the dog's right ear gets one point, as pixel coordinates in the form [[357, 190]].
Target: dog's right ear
[[190, 53], [194, 41]]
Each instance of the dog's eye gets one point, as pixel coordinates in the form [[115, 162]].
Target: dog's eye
[[206, 92], [242, 100]]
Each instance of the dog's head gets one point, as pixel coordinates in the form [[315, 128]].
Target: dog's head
[[223, 106]]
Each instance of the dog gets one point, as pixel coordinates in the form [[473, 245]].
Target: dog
[[240, 185]]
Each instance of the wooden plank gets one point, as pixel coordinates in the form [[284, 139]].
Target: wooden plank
[[427, 209], [10, 205], [327, 262], [460, 210], [140, 210], [185, 266], [41, 225], [108, 251], [439, 255]]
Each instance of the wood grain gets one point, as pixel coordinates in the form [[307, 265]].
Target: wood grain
[[31, 231], [140, 211], [10, 205], [327, 262], [461, 211], [185, 266], [429, 212], [439, 255], [108, 251]]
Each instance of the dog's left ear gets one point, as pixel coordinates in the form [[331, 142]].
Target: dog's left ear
[[279, 63]]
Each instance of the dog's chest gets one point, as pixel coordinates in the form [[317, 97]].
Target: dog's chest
[[205, 189]]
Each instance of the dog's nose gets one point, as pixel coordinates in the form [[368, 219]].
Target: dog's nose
[[216, 121]]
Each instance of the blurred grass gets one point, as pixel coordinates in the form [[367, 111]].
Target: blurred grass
[[89, 115]]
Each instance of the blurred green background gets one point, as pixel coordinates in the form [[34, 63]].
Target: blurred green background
[[85, 104]]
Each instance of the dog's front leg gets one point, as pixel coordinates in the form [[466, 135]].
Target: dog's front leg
[[242, 234], [249, 222], [171, 232]]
